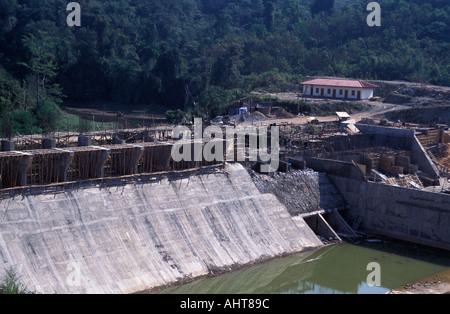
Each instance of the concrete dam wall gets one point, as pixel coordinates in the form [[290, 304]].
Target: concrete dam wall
[[140, 236], [400, 213]]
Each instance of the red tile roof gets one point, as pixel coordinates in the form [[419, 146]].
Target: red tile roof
[[340, 83]]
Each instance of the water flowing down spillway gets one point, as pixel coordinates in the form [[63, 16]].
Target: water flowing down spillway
[[140, 236]]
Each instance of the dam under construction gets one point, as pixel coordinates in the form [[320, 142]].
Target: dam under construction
[[124, 217]]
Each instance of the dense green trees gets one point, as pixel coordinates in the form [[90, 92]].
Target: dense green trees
[[155, 51], [322, 6]]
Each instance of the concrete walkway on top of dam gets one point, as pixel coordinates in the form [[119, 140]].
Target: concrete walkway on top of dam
[[141, 236]]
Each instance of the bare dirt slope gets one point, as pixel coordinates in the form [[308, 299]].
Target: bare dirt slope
[[377, 110]]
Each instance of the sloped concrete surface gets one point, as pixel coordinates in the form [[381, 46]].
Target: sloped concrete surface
[[141, 236]]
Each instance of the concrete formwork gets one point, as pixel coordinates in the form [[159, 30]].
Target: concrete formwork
[[87, 163], [48, 166], [14, 168], [192, 153], [92, 162], [123, 159], [156, 157], [430, 137]]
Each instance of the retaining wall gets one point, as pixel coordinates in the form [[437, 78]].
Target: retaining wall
[[335, 167], [407, 214]]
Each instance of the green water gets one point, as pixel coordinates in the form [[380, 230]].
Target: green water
[[334, 269]]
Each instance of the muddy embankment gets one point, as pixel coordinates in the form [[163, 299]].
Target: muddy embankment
[[424, 104], [422, 115]]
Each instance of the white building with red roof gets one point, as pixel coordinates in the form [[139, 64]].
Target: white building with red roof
[[338, 88]]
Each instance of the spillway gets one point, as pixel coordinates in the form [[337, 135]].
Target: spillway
[[147, 234]]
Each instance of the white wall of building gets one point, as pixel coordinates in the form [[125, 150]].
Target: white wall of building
[[328, 92], [367, 93]]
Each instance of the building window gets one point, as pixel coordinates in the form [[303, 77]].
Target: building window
[[341, 92], [317, 90], [329, 91], [353, 93]]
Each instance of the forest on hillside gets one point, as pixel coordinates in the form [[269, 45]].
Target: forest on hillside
[[177, 53]]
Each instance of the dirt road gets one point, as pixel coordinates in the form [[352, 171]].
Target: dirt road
[[377, 110]]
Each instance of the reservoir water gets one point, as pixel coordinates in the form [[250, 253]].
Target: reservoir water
[[336, 269]]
